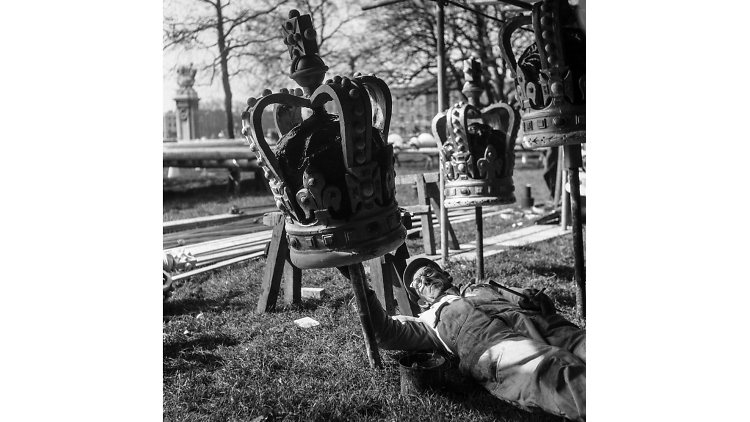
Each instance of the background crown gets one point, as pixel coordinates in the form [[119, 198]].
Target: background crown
[[331, 175], [550, 75], [477, 148]]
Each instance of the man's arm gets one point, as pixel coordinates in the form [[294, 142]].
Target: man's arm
[[473, 290], [534, 299], [400, 332]]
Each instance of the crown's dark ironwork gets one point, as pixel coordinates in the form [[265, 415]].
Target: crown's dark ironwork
[[550, 75], [477, 147], [331, 175]]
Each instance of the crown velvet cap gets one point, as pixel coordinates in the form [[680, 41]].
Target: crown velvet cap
[[550, 75], [332, 174]]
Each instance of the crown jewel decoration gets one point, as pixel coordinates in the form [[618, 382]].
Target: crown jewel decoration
[[477, 148], [331, 175], [550, 75]]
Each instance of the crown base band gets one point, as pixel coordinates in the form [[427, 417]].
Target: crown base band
[[546, 140], [464, 193], [353, 254], [347, 243], [478, 201]]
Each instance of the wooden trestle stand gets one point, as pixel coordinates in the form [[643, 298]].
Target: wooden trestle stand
[[385, 276]]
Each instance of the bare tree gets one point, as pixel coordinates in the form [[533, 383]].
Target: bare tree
[[228, 30], [243, 37], [409, 41]]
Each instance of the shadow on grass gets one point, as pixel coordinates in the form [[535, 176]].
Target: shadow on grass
[[562, 272], [176, 307], [567, 300], [182, 355], [203, 189], [468, 395]]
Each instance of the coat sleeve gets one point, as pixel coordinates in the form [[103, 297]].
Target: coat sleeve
[[474, 289], [400, 332]]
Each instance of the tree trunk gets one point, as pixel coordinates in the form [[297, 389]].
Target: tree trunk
[[224, 71], [499, 72], [482, 50]]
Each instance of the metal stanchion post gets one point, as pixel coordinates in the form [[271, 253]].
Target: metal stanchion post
[[573, 162], [480, 243]]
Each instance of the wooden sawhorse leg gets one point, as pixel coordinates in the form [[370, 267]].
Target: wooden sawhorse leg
[[235, 178], [278, 267], [386, 273], [428, 232], [433, 193]]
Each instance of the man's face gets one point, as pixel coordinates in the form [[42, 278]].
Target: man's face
[[429, 283]]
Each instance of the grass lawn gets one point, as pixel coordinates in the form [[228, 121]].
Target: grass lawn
[[222, 362]]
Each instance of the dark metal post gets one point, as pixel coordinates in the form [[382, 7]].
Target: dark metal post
[[573, 161], [480, 243], [441, 107]]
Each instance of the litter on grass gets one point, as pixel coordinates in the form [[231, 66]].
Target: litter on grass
[[306, 322]]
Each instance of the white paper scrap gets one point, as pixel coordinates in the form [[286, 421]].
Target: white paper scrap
[[306, 322]]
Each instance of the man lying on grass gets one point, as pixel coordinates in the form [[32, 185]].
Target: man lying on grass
[[519, 349]]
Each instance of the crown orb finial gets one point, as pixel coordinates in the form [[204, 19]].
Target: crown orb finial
[[307, 68], [473, 87]]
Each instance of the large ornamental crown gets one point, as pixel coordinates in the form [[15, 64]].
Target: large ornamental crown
[[331, 175], [550, 75], [477, 147]]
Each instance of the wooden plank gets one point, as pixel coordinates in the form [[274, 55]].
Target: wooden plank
[[534, 237], [500, 243], [243, 164], [207, 234], [210, 234], [221, 243], [216, 266], [292, 283], [409, 179], [221, 153], [416, 210], [193, 223], [451, 233], [472, 256], [248, 223], [259, 209], [206, 144], [380, 278], [277, 254], [428, 233], [431, 177], [406, 179], [504, 237], [271, 218], [405, 306], [229, 254]]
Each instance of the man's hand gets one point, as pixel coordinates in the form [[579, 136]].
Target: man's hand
[[535, 300]]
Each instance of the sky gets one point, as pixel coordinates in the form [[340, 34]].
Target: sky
[[204, 90]]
